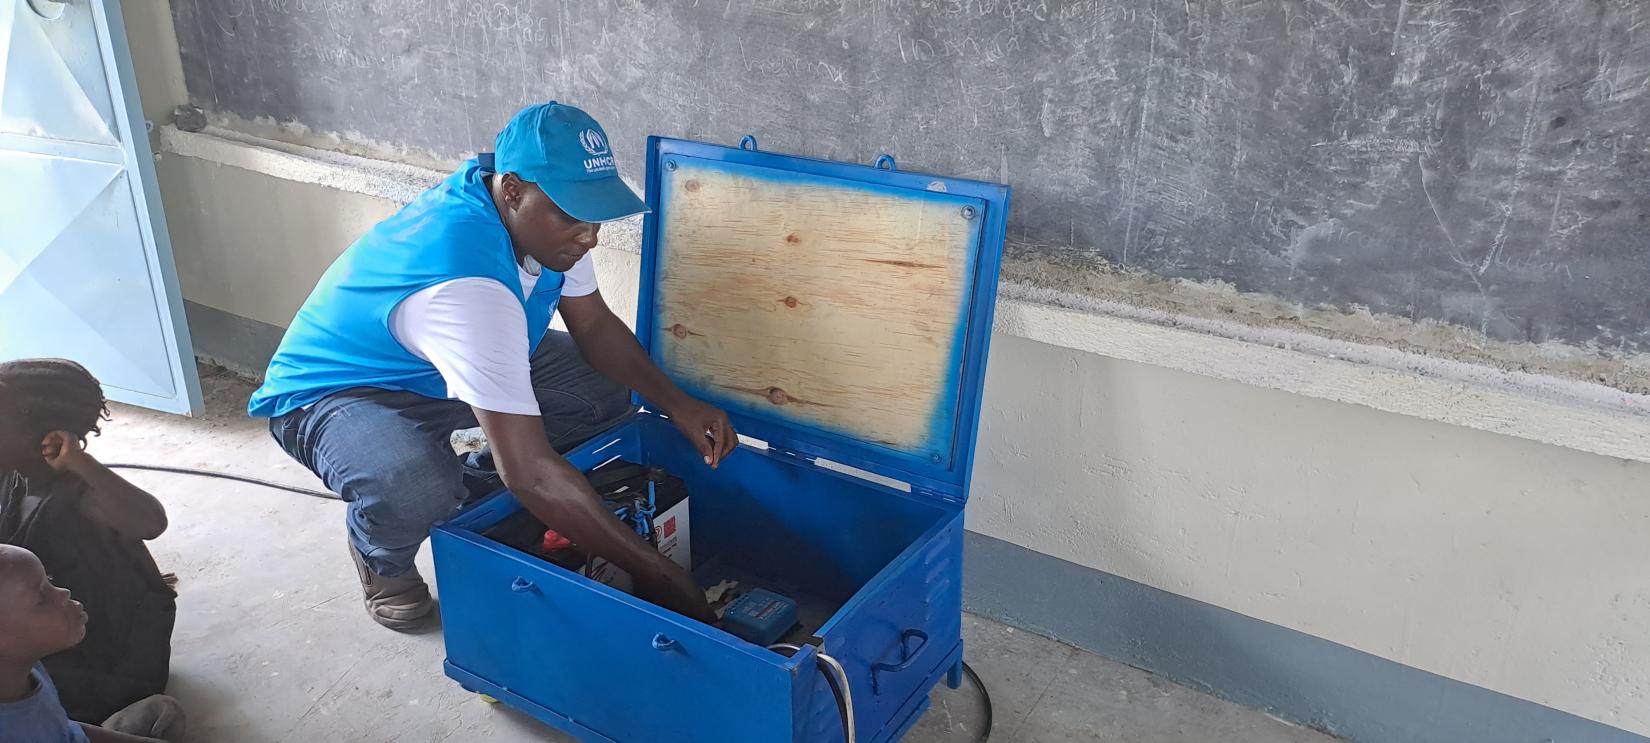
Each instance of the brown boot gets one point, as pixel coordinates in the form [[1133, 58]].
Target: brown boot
[[400, 603]]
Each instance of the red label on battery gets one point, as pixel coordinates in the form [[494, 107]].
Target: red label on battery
[[669, 529]]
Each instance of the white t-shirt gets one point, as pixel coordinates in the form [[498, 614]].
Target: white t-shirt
[[475, 334]]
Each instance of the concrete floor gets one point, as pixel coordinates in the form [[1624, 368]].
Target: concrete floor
[[272, 643]]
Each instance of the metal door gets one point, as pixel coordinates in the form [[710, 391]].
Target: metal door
[[86, 267]]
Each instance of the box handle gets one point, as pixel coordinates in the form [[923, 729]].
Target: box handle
[[662, 643], [907, 654], [521, 585]]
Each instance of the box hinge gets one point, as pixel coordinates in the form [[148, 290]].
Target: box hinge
[[939, 495], [780, 451]]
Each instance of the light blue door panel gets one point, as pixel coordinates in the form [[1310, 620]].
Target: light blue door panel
[[86, 268]]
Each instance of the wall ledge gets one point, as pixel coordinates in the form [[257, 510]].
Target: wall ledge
[[1564, 412], [378, 178]]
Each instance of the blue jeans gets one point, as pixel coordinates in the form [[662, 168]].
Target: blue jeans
[[389, 453]]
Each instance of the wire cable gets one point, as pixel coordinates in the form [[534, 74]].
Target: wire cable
[[224, 476], [847, 696], [839, 685], [985, 696], [845, 699]]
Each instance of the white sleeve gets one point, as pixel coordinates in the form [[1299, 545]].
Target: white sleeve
[[474, 332], [580, 280]]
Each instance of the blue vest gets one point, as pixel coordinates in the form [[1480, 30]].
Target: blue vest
[[341, 337]]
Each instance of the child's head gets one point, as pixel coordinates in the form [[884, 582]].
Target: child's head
[[36, 617], [39, 396]]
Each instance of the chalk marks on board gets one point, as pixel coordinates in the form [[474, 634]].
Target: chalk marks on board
[[1390, 154]]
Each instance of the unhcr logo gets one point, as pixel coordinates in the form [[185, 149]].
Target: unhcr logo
[[593, 142]]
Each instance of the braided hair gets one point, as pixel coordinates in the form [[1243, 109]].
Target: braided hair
[[38, 396]]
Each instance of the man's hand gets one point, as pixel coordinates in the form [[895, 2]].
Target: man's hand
[[610, 347], [561, 497], [706, 427], [677, 592]]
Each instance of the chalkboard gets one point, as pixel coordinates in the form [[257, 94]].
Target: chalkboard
[[1482, 163]]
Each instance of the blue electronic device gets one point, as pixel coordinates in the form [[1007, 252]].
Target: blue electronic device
[[837, 312], [760, 616]]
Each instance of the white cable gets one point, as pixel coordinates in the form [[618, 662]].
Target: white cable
[[846, 696]]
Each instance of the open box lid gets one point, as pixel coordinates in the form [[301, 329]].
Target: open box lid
[[833, 310]]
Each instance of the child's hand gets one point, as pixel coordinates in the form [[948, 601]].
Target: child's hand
[[109, 499], [62, 451]]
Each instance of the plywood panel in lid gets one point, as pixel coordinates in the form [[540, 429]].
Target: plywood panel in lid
[[822, 303]]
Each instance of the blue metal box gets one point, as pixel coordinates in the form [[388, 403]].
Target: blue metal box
[[841, 315]]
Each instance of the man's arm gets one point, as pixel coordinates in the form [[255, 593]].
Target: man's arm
[[562, 498], [474, 332], [610, 348], [109, 499]]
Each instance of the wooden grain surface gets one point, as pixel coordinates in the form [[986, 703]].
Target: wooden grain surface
[[835, 306]]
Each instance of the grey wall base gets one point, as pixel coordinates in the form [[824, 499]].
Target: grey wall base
[[241, 345], [1295, 676]]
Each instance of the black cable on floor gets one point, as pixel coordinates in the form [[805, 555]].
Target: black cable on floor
[[225, 476], [984, 695]]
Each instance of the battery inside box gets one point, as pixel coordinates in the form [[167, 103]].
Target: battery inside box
[[647, 499], [622, 486]]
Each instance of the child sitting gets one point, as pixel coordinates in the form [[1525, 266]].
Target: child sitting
[[36, 620], [87, 525]]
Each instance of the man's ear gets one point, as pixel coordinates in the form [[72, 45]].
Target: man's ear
[[512, 188]]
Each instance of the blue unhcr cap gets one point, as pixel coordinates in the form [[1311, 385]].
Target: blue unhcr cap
[[563, 151]]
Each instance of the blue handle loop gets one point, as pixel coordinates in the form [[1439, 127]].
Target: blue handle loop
[[886, 162], [662, 643], [907, 655], [521, 585], [748, 142]]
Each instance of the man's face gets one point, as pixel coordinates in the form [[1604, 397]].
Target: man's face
[[541, 229], [36, 617]]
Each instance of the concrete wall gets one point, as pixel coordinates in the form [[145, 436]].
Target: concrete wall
[[1507, 564], [1491, 560]]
